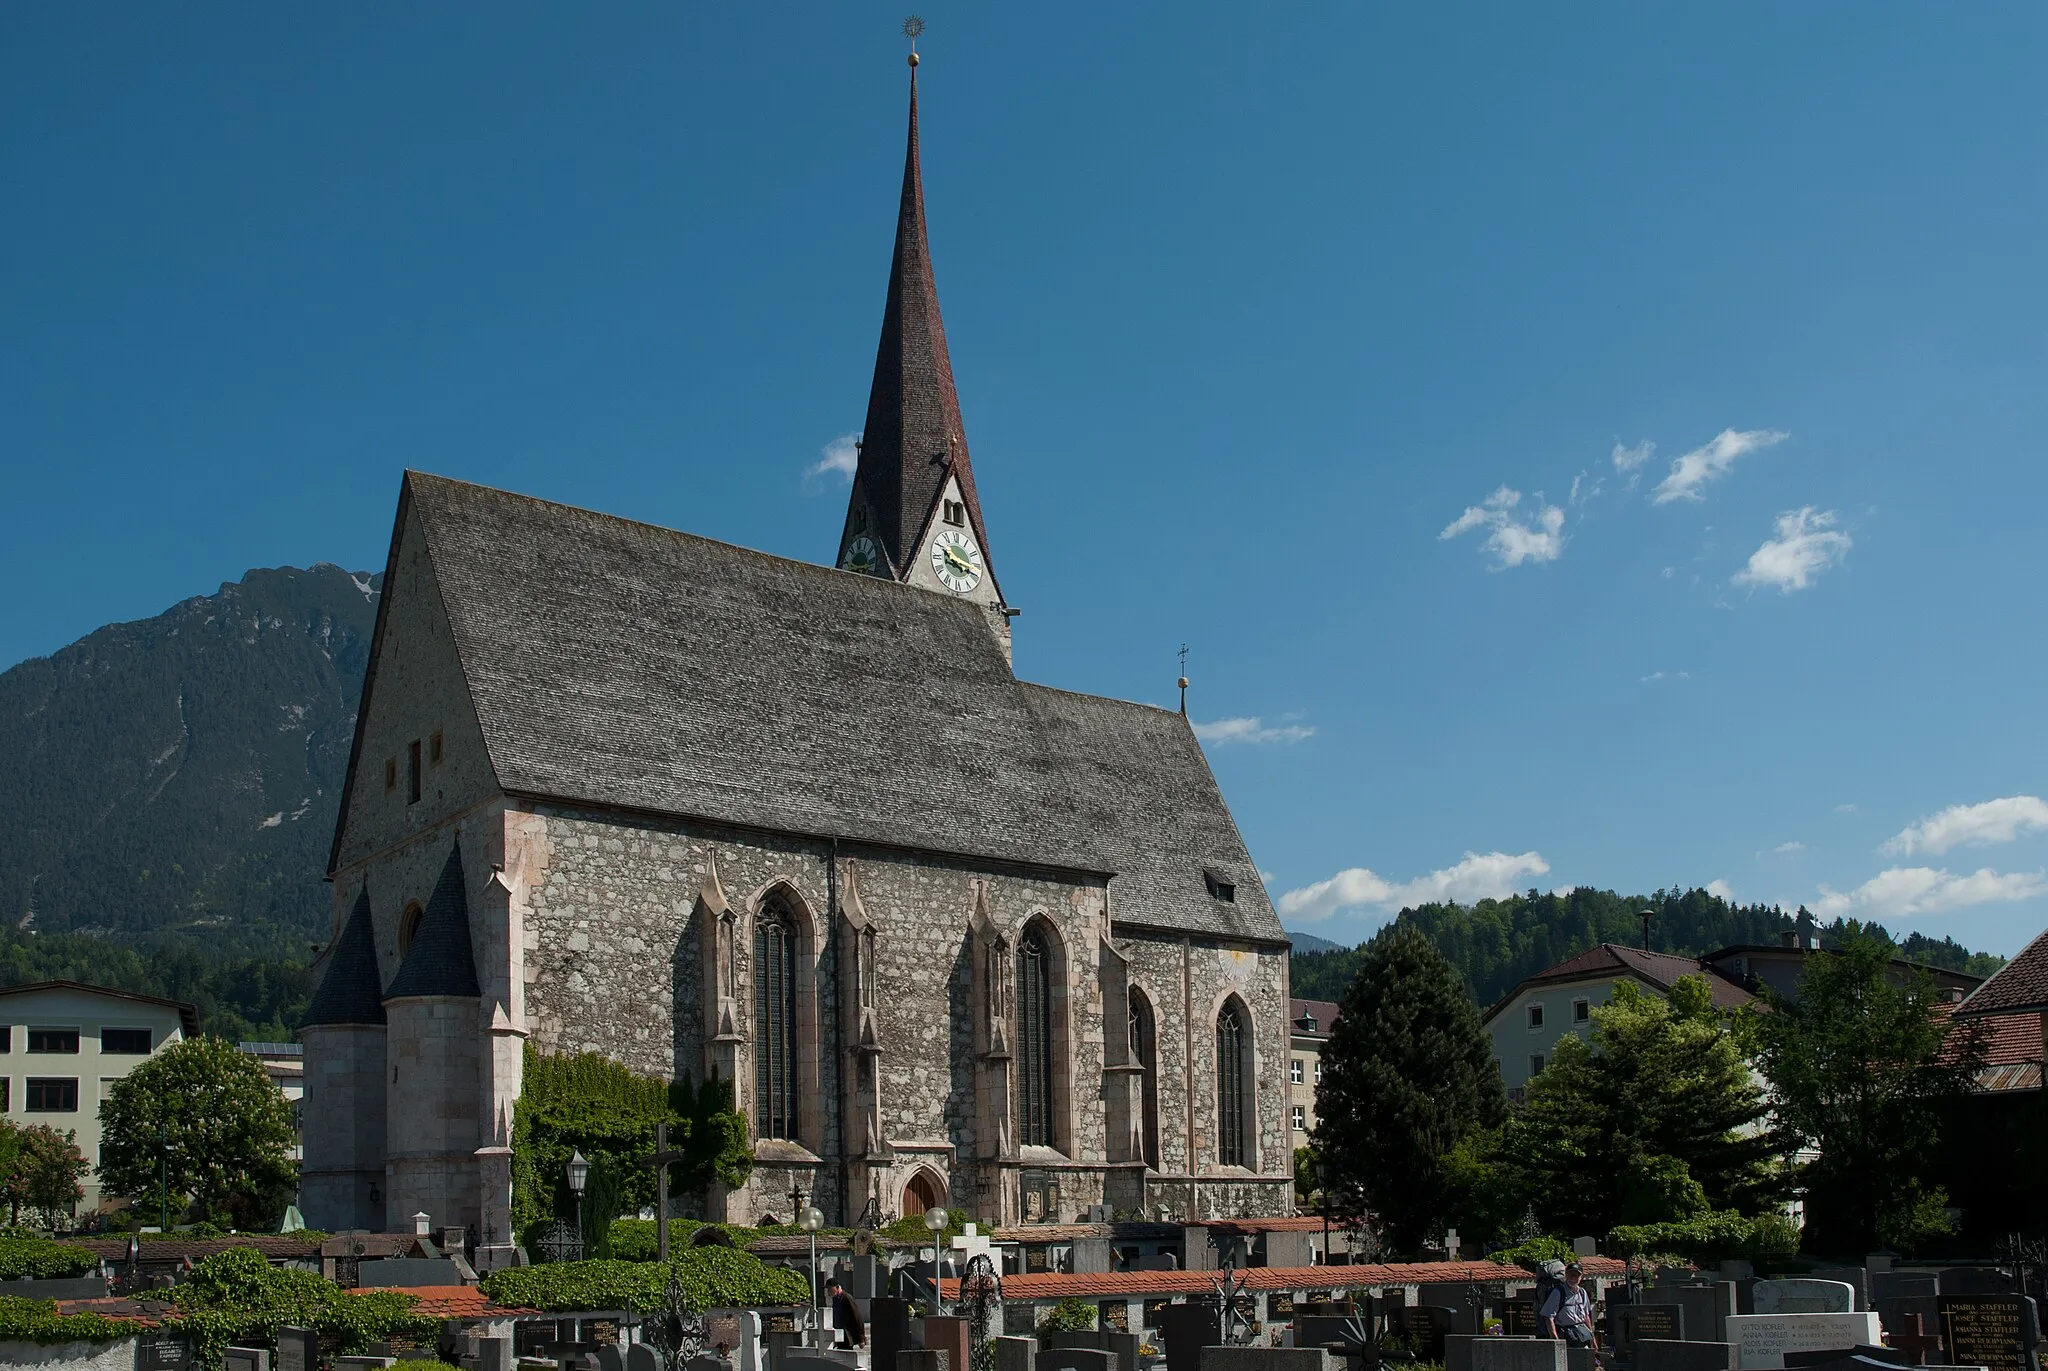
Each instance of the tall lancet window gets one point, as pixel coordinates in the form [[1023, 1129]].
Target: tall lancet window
[[1034, 1041], [1233, 1075], [1144, 1053], [775, 1023]]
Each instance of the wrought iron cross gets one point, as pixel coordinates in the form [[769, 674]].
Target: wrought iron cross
[[661, 1159]]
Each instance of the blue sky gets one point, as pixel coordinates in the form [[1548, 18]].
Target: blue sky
[[1599, 445]]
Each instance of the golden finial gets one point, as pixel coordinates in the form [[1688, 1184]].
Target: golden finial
[[912, 27]]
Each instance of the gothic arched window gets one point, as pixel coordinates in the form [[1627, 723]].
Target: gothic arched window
[[1233, 1047], [1034, 1041], [775, 1023], [1145, 1053]]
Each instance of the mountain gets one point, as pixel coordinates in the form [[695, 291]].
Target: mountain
[[1309, 942], [1496, 944], [181, 774]]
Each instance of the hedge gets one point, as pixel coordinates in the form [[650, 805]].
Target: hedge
[[236, 1296], [1711, 1237], [712, 1278], [39, 1259], [23, 1320]]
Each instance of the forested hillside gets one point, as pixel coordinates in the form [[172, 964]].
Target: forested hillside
[[181, 772], [1495, 944]]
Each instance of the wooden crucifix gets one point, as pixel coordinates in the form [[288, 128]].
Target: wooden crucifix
[[661, 1159]]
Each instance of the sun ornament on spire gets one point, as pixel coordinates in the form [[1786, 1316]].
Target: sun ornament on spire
[[912, 27]]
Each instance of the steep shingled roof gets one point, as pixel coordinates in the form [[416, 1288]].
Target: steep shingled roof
[[2020, 985], [913, 437], [351, 992], [441, 960], [619, 664]]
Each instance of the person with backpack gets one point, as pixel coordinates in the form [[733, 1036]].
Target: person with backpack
[[1566, 1309]]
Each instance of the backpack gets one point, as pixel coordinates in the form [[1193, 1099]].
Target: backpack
[[1549, 1279]]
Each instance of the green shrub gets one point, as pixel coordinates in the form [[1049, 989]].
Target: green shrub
[[1710, 1237], [1533, 1252], [1068, 1316], [910, 1230], [38, 1321], [39, 1259], [712, 1278], [236, 1296]]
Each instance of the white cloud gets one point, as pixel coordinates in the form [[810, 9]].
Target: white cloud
[[1903, 891], [1845, 809], [1691, 472], [1784, 849], [1994, 821], [1628, 459], [1511, 541], [1253, 729], [1479, 876], [1656, 676], [1807, 544], [839, 457], [1721, 890]]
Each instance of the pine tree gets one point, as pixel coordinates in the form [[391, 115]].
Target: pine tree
[[1407, 1074]]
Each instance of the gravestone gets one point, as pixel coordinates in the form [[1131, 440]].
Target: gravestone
[[1457, 1351], [1662, 1354], [641, 1357], [1910, 1335], [246, 1359], [1580, 1359], [609, 1358], [1517, 1354], [1883, 1356], [777, 1342], [707, 1361], [888, 1330], [1123, 1346], [816, 1359], [1916, 1313], [1016, 1354], [1975, 1280], [923, 1359], [1321, 1330], [1518, 1319], [1762, 1340], [949, 1332], [1803, 1296], [493, 1354], [1855, 1277], [1706, 1304], [1075, 1359], [1895, 1285], [298, 1349], [2001, 1332], [1264, 1359], [1186, 1329], [1629, 1323], [1427, 1325]]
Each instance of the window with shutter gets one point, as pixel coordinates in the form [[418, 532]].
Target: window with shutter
[[775, 1024], [1034, 1042]]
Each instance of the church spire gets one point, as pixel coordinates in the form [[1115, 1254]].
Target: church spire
[[914, 513]]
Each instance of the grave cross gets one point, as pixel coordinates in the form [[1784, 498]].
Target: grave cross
[[661, 1159], [1912, 1339], [971, 1244]]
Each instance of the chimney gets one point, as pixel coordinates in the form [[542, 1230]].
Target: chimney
[[421, 1224]]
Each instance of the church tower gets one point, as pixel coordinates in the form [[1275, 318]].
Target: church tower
[[914, 515]]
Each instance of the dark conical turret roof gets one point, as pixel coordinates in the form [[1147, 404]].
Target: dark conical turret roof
[[913, 437], [440, 960], [349, 993]]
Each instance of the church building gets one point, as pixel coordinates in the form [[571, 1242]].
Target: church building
[[954, 937]]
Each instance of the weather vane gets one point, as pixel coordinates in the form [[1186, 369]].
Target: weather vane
[[912, 27], [1183, 679]]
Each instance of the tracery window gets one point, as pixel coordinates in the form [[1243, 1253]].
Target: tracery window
[[1034, 1041], [775, 1024], [1233, 1043], [1144, 1052]]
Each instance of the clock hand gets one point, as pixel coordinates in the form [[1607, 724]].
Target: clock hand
[[957, 560]]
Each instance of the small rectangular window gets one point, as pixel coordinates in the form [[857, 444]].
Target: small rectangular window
[[53, 1040], [1582, 1010], [1319, 1071], [6, 1037], [1294, 1071], [1300, 1120], [1219, 889], [127, 1042], [412, 784], [1536, 1064], [434, 748], [956, 512], [52, 1095], [1535, 1016], [390, 774], [6, 1094]]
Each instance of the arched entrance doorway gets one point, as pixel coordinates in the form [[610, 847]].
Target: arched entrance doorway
[[925, 1191]]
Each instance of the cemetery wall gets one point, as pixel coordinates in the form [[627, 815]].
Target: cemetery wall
[[70, 1356]]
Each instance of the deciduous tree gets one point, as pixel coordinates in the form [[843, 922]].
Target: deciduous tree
[[209, 1118]]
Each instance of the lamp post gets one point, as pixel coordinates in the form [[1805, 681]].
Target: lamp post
[[936, 1218], [813, 1221], [163, 1153], [579, 1176]]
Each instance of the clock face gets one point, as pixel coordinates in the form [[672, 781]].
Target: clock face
[[862, 556], [957, 561]]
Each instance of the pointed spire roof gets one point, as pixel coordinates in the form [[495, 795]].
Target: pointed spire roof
[[913, 437], [350, 992], [440, 960]]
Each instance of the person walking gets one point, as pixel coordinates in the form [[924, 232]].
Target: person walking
[[846, 1317], [1567, 1309]]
